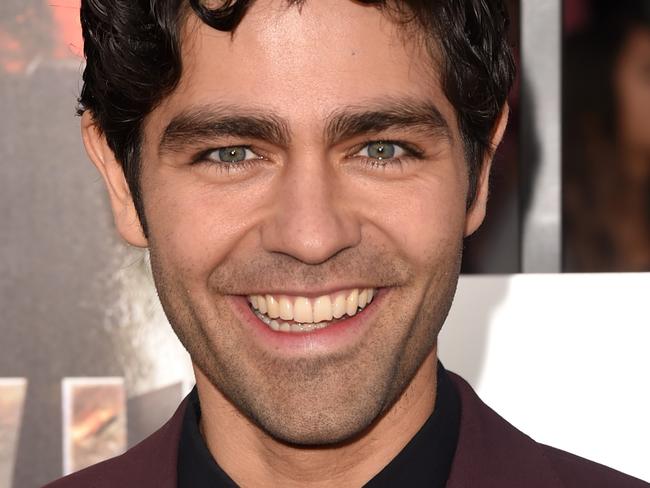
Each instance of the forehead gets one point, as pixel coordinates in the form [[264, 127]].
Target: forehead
[[306, 62]]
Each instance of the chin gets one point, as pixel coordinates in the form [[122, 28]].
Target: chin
[[321, 417]]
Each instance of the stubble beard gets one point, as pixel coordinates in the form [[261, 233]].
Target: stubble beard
[[316, 401]]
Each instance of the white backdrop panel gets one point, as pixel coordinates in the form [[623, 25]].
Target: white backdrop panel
[[565, 358]]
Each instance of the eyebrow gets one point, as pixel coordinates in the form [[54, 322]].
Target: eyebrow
[[387, 114], [198, 125], [204, 124]]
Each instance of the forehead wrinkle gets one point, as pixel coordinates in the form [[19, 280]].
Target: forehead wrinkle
[[383, 114], [210, 121]]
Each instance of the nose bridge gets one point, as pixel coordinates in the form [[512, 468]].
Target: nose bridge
[[310, 220]]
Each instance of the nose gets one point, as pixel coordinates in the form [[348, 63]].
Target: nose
[[312, 220]]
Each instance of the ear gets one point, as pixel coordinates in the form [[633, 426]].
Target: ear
[[476, 212], [124, 212]]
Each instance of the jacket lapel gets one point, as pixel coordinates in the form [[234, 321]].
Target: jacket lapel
[[153, 462], [493, 453]]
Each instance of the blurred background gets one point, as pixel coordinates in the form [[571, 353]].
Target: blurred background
[[89, 365], [606, 136]]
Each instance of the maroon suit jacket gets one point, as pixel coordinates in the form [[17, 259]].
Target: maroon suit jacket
[[491, 453]]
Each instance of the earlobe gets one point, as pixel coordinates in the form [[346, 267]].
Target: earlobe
[[124, 211], [476, 213]]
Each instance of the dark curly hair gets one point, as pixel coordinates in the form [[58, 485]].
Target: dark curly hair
[[133, 62]]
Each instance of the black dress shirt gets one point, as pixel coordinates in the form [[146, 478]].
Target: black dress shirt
[[424, 462]]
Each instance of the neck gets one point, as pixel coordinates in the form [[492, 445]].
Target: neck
[[253, 458]]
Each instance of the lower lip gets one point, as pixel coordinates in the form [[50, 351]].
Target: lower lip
[[340, 335]]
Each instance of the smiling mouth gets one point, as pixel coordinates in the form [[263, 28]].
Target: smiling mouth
[[285, 313]]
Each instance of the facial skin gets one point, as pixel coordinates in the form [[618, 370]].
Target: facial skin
[[308, 214]]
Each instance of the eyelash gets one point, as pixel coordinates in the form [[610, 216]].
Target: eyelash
[[410, 152]]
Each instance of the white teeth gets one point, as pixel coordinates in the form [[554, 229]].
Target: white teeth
[[338, 307], [302, 310], [308, 313], [363, 298], [261, 304], [286, 309], [352, 303], [294, 327], [322, 309], [273, 307]]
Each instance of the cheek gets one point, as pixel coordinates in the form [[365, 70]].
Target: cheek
[[194, 227], [423, 218]]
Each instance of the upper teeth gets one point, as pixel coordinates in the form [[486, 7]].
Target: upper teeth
[[312, 310]]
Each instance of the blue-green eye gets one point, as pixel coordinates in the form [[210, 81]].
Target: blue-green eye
[[382, 150], [233, 154]]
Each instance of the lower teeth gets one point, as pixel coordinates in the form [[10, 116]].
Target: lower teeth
[[286, 327]]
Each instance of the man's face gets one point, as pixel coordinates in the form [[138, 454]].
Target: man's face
[[300, 208]]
